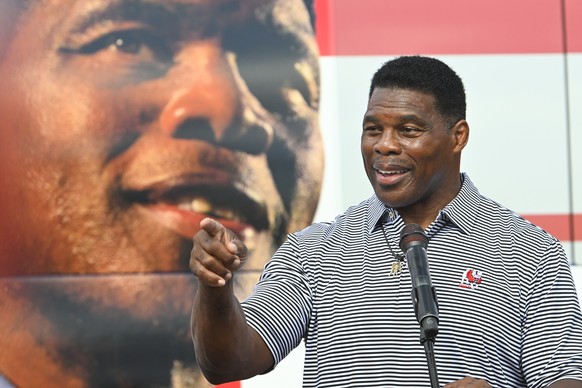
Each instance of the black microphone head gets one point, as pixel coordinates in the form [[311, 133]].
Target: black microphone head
[[412, 233]]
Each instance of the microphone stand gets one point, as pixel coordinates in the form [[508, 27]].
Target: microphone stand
[[413, 243], [428, 342]]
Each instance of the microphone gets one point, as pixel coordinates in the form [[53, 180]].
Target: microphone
[[413, 243]]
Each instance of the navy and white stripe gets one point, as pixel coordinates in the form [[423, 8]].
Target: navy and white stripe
[[330, 285]]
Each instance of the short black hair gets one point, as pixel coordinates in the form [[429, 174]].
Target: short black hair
[[427, 75]]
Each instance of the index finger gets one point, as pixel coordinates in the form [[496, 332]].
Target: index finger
[[212, 227], [230, 240]]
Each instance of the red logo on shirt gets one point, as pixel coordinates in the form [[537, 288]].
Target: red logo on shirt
[[471, 278]]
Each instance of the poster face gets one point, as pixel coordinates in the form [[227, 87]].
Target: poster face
[[124, 124]]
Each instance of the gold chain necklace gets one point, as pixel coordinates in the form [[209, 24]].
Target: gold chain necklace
[[398, 263]]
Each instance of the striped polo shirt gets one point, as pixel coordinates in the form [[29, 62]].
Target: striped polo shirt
[[508, 308]]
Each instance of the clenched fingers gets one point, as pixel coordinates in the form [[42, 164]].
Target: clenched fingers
[[217, 252]]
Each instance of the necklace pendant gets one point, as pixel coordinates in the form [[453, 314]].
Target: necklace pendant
[[397, 266], [396, 269]]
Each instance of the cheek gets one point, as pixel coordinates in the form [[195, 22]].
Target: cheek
[[56, 135], [366, 148], [73, 106], [63, 189], [432, 165]]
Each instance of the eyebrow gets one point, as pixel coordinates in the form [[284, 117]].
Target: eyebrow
[[371, 119], [152, 12], [119, 10], [400, 120], [413, 119]]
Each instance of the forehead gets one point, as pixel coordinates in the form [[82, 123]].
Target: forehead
[[84, 12], [402, 99]]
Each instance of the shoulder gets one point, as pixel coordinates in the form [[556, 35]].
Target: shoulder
[[517, 240], [508, 222]]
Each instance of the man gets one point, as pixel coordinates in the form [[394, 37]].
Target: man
[[514, 322], [123, 124]]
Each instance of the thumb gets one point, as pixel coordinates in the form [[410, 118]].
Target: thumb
[[235, 245], [228, 238]]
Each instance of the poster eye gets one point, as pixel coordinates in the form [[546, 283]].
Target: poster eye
[[136, 42]]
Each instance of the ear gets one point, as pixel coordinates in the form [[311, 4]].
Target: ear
[[460, 135]]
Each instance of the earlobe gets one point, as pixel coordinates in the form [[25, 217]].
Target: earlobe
[[460, 134]]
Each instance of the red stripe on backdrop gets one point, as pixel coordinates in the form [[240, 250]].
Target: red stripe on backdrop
[[392, 27], [573, 10], [234, 384], [564, 227], [324, 26]]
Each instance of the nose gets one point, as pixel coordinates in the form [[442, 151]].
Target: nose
[[212, 103], [388, 143]]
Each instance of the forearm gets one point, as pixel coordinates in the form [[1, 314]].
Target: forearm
[[223, 341], [567, 383], [227, 349]]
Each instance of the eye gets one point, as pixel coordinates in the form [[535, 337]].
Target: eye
[[372, 129], [135, 42], [411, 131]]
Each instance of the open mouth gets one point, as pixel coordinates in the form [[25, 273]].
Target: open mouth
[[391, 172], [217, 201]]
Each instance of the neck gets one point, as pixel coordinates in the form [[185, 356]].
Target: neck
[[424, 212]]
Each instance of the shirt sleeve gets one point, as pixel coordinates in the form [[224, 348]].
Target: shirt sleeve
[[280, 306], [552, 326]]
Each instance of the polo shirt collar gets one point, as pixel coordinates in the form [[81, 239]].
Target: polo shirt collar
[[460, 211], [377, 213]]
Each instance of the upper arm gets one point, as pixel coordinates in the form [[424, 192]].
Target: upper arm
[[567, 383], [263, 360], [552, 329]]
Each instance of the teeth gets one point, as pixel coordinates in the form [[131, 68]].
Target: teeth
[[204, 206], [391, 172], [248, 234], [224, 213], [201, 205]]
